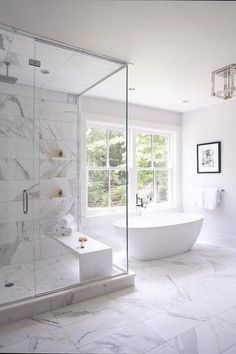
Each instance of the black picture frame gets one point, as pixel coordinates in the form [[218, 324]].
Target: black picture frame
[[209, 159]]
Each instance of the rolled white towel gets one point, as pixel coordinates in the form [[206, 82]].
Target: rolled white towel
[[68, 231], [56, 230], [66, 221]]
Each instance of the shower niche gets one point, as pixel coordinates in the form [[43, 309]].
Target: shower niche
[[50, 95]]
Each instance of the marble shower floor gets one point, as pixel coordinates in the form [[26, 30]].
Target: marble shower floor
[[183, 304], [43, 275]]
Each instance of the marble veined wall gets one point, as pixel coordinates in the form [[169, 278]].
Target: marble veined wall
[[32, 131]]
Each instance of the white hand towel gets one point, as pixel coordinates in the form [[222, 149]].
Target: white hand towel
[[66, 221], [198, 197], [212, 198]]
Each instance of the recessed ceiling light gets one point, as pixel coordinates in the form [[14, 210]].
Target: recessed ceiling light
[[131, 88], [45, 72], [185, 101]]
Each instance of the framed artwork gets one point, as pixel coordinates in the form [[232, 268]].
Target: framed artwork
[[209, 157]]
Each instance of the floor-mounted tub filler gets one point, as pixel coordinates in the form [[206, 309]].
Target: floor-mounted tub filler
[[159, 235]]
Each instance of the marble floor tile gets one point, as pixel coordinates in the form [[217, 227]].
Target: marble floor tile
[[182, 304], [216, 303], [163, 349], [92, 329], [231, 350], [213, 336], [137, 339], [55, 341], [91, 308], [177, 321]]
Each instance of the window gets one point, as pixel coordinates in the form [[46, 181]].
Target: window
[[150, 170], [106, 153], [153, 172]]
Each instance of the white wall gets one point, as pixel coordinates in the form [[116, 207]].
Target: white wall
[[214, 123], [136, 112]]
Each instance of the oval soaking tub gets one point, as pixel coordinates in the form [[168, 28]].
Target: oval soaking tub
[[158, 235]]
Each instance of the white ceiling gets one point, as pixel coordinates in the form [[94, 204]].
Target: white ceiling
[[68, 70], [174, 45]]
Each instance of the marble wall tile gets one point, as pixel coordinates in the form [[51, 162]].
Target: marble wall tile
[[48, 247], [57, 111], [49, 149], [57, 207], [54, 130], [16, 127], [13, 211], [53, 168], [50, 119], [16, 252], [16, 106], [16, 148], [49, 187], [17, 169], [13, 231], [37, 93], [13, 190], [17, 90]]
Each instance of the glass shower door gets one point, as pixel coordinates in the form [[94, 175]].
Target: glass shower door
[[18, 187]]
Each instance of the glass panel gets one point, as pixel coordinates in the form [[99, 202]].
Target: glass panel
[[160, 151], [117, 147], [98, 182], [96, 141], [118, 195], [43, 152], [143, 150], [145, 185], [17, 174], [161, 185], [104, 201]]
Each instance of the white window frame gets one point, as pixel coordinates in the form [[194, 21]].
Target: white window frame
[[134, 169], [109, 209], [172, 132]]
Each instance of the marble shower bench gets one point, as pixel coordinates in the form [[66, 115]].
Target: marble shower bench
[[95, 259]]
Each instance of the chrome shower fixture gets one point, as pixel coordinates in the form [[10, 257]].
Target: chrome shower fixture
[[223, 82], [6, 78]]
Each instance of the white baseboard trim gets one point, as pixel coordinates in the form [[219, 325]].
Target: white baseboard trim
[[217, 238]]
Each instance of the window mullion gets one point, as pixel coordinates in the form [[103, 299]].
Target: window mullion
[[108, 168]]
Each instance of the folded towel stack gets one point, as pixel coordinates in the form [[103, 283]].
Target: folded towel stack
[[65, 226]]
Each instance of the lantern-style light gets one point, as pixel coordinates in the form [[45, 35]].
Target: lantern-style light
[[223, 82]]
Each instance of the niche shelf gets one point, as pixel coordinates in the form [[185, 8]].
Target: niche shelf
[[59, 177], [60, 158]]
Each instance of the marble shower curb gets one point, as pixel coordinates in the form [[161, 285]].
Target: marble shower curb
[[50, 302]]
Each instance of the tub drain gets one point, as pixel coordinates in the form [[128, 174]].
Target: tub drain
[[9, 285]]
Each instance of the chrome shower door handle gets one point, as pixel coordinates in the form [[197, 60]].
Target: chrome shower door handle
[[25, 202]]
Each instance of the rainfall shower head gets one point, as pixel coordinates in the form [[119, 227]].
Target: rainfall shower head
[[6, 78]]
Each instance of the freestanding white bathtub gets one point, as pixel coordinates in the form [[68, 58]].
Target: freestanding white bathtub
[[158, 235]]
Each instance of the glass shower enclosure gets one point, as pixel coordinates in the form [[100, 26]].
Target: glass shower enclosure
[[63, 153]]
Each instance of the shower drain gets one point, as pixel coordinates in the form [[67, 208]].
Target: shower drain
[[9, 285]]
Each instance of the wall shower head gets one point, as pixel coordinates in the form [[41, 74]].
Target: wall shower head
[[6, 78]]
